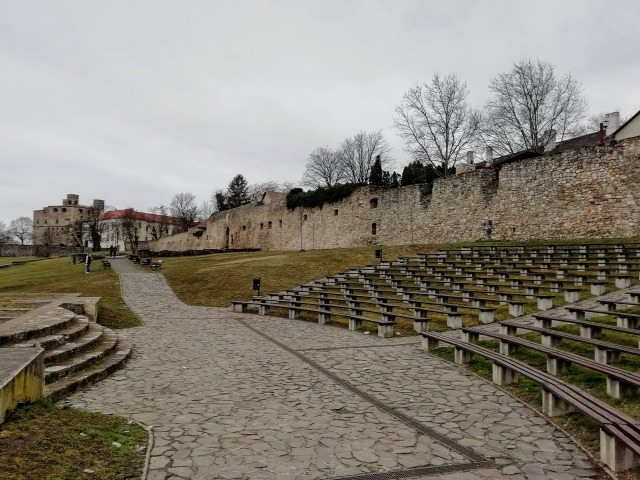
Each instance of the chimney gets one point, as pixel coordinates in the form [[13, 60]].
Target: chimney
[[551, 142], [470, 157], [488, 155], [611, 122]]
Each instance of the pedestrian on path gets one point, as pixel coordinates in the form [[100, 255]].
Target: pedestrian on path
[[87, 263]]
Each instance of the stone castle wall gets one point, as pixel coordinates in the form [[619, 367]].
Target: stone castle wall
[[583, 193]]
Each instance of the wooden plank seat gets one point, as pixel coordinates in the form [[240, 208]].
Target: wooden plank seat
[[619, 433], [620, 383], [605, 352], [611, 304], [588, 328], [105, 263], [324, 310], [626, 320], [516, 308]]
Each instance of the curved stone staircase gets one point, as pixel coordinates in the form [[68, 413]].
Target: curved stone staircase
[[77, 351]]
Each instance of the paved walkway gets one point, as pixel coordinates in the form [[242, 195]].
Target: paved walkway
[[237, 396]]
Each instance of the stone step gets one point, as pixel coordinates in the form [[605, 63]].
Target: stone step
[[76, 329], [106, 345], [42, 321], [94, 373], [90, 339]]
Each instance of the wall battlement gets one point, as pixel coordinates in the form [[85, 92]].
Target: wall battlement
[[588, 192]]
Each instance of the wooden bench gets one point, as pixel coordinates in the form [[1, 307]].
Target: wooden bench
[[157, 265], [625, 320], [604, 352], [619, 433], [106, 263], [620, 383], [588, 329]]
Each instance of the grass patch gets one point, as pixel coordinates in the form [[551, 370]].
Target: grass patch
[[54, 277], [8, 260], [41, 441]]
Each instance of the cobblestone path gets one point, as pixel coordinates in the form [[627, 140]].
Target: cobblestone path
[[237, 396]]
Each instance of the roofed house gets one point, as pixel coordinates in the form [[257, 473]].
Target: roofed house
[[125, 228], [630, 128]]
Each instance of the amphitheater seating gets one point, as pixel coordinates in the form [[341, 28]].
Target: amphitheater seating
[[472, 282], [77, 351]]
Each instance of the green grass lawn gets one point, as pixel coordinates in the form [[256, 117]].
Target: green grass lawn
[[54, 277], [44, 442]]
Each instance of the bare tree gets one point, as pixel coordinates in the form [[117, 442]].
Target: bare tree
[[257, 190], [5, 237], [205, 210], [324, 168], [530, 104], [129, 230], [22, 229], [593, 122], [358, 153], [183, 205], [436, 122]]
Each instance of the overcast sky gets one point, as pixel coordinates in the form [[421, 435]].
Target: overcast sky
[[134, 101]]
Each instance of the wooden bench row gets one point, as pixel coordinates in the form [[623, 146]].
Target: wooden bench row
[[619, 433]]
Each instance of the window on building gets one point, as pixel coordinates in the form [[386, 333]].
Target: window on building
[[231, 239], [269, 224], [280, 223], [335, 212], [374, 228], [244, 227], [261, 226], [305, 217], [56, 220], [45, 221], [64, 209], [373, 203], [80, 210]]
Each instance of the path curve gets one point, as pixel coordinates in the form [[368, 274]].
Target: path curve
[[237, 396]]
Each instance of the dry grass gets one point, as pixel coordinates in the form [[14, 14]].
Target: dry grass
[[53, 277]]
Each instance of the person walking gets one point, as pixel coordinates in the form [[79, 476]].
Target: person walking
[[87, 263]]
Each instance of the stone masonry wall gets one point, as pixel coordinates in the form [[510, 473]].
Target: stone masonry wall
[[36, 250], [583, 193]]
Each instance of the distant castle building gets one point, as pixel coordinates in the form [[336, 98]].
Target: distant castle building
[[65, 224]]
